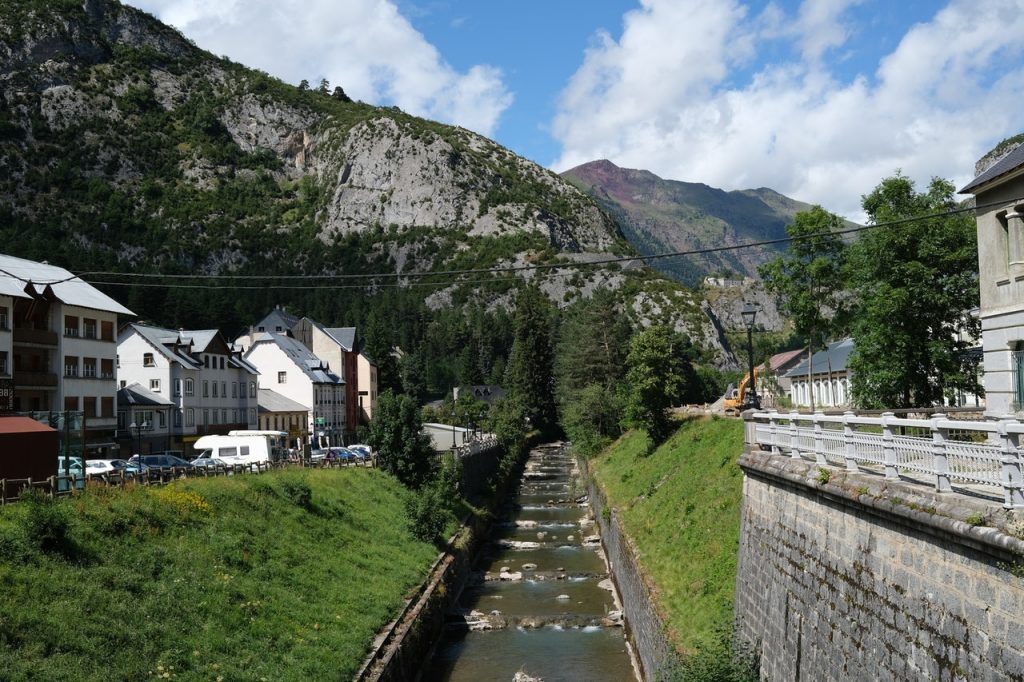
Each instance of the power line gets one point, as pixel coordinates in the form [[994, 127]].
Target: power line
[[398, 276]]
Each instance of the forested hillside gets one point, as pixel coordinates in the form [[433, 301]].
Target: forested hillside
[[129, 154]]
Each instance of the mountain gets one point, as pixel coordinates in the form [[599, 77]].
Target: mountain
[[664, 216], [125, 150]]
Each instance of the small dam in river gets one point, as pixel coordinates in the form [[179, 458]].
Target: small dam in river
[[540, 602]]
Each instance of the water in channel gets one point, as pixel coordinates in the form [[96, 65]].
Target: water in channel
[[541, 601]]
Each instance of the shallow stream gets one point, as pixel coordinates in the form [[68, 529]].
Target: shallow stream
[[540, 601]]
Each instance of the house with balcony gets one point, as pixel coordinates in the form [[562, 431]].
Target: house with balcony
[[58, 347], [148, 418], [998, 189], [211, 385], [291, 369]]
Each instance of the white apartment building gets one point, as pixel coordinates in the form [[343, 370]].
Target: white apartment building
[[292, 370], [58, 347], [213, 388]]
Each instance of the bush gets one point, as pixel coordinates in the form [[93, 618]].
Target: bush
[[47, 524], [427, 512], [721, 660]]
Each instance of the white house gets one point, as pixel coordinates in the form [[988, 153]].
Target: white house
[[278, 413], [58, 347], [287, 367], [212, 386], [829, 380], [999, 195]]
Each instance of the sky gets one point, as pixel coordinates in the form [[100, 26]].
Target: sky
[[819, 100]]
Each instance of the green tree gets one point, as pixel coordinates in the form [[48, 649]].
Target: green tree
[[915, 284], [592, 344], [808, 279], [396, 434], [529, 375], [655, 379]]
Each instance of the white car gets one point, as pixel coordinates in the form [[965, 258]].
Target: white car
[[98, 467]]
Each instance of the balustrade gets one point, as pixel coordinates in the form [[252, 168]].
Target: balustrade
[[979, 453]]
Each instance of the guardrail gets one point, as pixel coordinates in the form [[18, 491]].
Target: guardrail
[[980, 453]]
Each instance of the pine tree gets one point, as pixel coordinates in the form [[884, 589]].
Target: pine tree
[[529, 375]]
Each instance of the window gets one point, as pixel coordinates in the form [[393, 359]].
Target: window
[[3, 362], [190, 417], [144, 419], [234, 416], [223, 389], [234, 389], [214, 416], [106, 368], [1017, 365], [89, 368], [147, 360], [71, 366], [206, 388], [215, 389], [252, 389], [177, 387], [206, 417], [222, 362], [282, 377], [263, 329], [190, 387], [177, 418], [89, 328], [252, 415], [162, 419], [4, 324], [124, 383], [154, 385], [107, 330], [70, 403], [224, 416], [122, 420], [206, 361], [90, 406], [70, 325]]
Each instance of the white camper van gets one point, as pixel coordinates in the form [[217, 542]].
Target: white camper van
[[244, 449]]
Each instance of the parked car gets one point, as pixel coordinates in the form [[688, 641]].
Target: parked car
[[161, 461], [73, 467], [343, 454], [363, 452], [318, 455], [102, 467], [211, 463]]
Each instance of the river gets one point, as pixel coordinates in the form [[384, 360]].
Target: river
[[541, 601]]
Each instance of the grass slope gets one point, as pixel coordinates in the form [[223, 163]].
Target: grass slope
[[284, 576], [681, 506]]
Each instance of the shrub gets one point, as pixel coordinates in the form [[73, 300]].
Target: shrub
[[47, 524], [427, 513]]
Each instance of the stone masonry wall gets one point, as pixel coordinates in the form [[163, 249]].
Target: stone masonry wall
[[644, 625], [842, 580]]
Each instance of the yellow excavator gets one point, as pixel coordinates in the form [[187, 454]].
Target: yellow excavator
[[736, 399]]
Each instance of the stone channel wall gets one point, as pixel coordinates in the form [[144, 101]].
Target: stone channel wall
[[400, 652], [644, 626], [844, 576]]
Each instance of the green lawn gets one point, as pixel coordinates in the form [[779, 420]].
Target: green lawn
[[681, 506], [282, 576]]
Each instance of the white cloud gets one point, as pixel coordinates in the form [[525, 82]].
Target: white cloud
[[365, 46], [663, 98]]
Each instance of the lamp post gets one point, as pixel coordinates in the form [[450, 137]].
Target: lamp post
[[748, 313], [138, 427]]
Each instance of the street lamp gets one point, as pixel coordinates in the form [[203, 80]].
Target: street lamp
[[748, 313], [138, 427]]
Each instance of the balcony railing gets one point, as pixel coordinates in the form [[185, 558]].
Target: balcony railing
[[985, 454], [35, 379], [43, 337]]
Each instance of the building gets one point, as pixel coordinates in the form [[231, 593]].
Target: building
[[147, 419], [445, 437], [278, 413], [484, 393], [212, 387], [829, 381], [998, 189], [772, 379], [339, 347], [289, 368], [58, 347]]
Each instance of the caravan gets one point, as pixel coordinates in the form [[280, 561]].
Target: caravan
[[242, 447]]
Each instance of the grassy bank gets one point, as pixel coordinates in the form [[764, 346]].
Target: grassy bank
[[681, 506], [283, 576]]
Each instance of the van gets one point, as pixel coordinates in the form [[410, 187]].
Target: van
[[248, 450]]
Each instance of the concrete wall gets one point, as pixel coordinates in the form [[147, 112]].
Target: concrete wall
[[854, 578], [644, 626]]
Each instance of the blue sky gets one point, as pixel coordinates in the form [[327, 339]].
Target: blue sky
[[818, 99]]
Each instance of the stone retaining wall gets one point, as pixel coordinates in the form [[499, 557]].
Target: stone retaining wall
[[843, 575], [644, 626]]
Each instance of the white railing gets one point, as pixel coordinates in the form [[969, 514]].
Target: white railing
[[980, 453]]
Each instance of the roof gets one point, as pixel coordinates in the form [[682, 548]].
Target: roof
[[278, 317], [780, 360], [1007, 164], [345, 336], [135, 395], [173, 345], [313, 367], [833, 358], [28, 279], [272, 401], [19, 424]]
